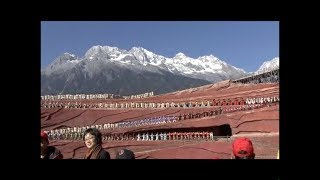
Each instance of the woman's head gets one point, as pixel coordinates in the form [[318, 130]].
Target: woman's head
[[92, 137]]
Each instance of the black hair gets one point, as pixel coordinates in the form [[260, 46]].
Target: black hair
[[245, 157], [96, 133]]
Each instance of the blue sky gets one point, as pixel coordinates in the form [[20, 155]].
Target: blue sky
[[244, 44]]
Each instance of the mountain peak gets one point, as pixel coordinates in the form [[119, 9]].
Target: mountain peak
[[275, 59], [65, 57], [142, 55], [66, 60], [210, 57], [69, 54], [179, 55], [139, 49], [102, 50], [110, 48], [206, 67], [269, 65]]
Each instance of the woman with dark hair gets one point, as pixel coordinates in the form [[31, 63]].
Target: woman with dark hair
[[93, 140]]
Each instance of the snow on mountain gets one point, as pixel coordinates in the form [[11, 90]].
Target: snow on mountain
[[103, 52], [268, 66], [146, 57], [205, 67], [65, 61], [139, 59]]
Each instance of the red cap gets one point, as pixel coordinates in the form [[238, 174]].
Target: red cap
[[45, 136], [243, 144]]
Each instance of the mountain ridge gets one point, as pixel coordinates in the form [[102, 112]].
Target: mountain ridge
[[69, 73]]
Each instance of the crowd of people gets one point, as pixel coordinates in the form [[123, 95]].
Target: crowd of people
[[264, 77], [191, 104], [242, 148], [94, 96], [76, 133], [93, 141]]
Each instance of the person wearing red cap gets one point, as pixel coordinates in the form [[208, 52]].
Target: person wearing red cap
[[243, 149], [125, 154], [48, 152]]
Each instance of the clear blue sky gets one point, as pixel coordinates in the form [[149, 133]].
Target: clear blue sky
[[244, 44]]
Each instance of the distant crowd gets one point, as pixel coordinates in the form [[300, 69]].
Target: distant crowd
[[264, 77], [94, 96], [190, 104], [75, 133]]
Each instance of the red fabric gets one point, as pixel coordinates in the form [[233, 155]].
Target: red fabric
[[244, 144], [45, 136]]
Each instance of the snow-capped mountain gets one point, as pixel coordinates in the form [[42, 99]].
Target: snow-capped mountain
[[63, 62], [269, 66], [206, 67], [103, 67]]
